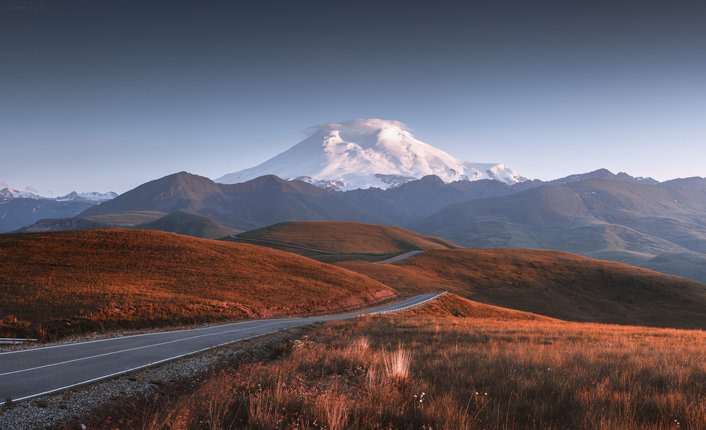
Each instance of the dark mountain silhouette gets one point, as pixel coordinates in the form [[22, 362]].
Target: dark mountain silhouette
[[262, 201]]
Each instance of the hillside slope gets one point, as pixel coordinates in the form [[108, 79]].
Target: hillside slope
[[189, 224], [451, 305], [593, 215], [632, 221], [550, 283], [21, 212], [328, 238], [61, 283], [262, 201]]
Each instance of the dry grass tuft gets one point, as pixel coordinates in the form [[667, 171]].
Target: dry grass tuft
[[332, 410], [397, 364]]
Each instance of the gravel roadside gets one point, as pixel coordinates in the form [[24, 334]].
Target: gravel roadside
[[72, 409]]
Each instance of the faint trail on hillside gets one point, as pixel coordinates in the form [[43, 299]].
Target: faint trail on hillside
[[282, 244], [400, 257]]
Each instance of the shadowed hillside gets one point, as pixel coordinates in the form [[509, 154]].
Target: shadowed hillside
[[550, 283], [189, 224], [18, 213], [61, 283], [628, 220], [593, 215]]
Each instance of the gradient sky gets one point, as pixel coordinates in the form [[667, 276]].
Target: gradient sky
[[105, 95]]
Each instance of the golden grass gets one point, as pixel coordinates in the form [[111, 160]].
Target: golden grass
[[347, 237], [463, 373], [555, 284], [455, 306], [53, 284]]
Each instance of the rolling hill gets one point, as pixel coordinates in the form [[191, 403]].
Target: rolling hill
[[182, 222], [338, 240], [60, 283], [451, 305], [551, 283]]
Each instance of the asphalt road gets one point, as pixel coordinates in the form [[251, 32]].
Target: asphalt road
[[30, 373]]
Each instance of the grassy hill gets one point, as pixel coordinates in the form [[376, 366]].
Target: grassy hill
[[550, 283], [451, 305], [189, 224], [61, 283], [338, 240]]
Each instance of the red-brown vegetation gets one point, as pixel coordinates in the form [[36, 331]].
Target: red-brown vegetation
[[54, 284], [348, 239], [500, 372], [555, 284], [451, 305]]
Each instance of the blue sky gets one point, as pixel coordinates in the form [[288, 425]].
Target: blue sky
[[107, 96]]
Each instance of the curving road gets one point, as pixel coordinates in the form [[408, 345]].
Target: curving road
[[400, 257], [30, 373]]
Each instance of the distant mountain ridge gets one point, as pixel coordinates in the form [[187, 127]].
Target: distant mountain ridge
[[263, 201], [20, 209], [598, 214], [367, 153], [9, 193], [89, 197], [638, 222], [603, 174]]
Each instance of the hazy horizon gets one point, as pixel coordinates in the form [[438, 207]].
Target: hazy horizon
[[104, 97]]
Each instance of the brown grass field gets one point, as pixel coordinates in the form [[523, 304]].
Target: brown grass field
[[555, 284], [427, 369], [340, 240], [54, 284]]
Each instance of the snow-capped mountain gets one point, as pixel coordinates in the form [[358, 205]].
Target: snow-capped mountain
[[9, 193], [368, 153], [87, 197]]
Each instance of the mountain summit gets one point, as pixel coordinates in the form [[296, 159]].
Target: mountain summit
[[366, 153]]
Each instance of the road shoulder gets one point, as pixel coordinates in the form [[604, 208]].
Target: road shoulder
[[70, 408]]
